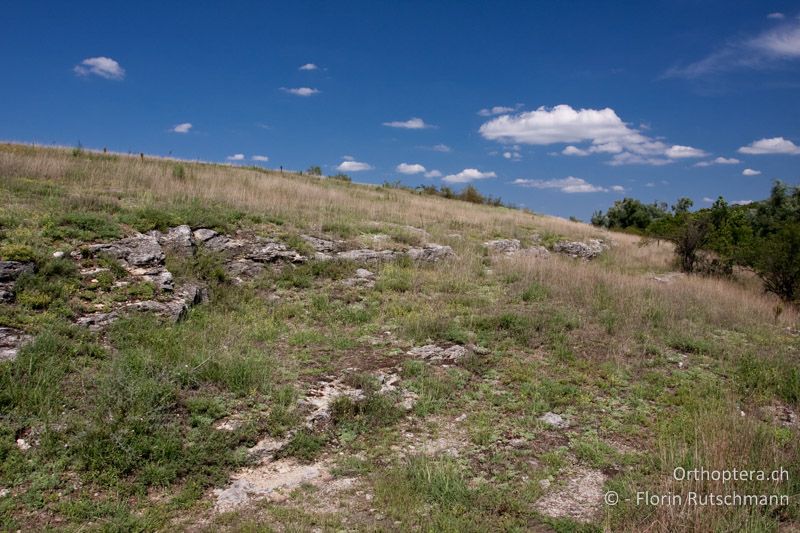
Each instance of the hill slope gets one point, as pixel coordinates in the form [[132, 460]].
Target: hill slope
[[199, 346]]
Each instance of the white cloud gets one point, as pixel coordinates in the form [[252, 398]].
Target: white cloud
[[776, 16], [574, 150], [780, 43], [353, 166], [618, 188], [601, 128], [433, 174], [406, 168], [513, 155], [348, 158], [441, 148], [105, 67], [569, 185], [750, 172], [775, 145], [301, 91], [235, 157], [650, 184], [261, 158], [708, 200], [182, 128], [680, 152], [415, 123], [308, 66], [497, 110], [742, 202], [467, 175], [718, 161]]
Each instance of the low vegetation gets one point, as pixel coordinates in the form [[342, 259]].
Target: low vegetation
[[134, 427]]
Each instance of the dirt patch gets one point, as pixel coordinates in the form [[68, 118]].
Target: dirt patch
[[579, 498]]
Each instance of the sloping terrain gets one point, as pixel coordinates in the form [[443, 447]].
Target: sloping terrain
[[202, 347]]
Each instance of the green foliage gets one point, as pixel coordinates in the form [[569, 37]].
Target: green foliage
[[314, 170], [17, 252], [341, 177], [82, 226], [629, 213]]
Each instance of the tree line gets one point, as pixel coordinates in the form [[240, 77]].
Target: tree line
[[762, 236]]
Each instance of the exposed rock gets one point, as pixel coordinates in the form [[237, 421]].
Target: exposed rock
[[319, 400], [203, 234], [503, 246], [268, 252], [554, 420], [174, 309], [584, 250], [11, 340], [362, 278], [274, 478], [11, 270], [580, 498], [367, 255], [6, 292], [58, 255], [431, 252], [431, 352], [242, 269], [780, 415], [23, 445], [323, 245], [177, 239], [535, 251], [137, 251]]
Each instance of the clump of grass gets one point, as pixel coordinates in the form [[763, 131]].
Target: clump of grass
[[304, 445], [534, 292]]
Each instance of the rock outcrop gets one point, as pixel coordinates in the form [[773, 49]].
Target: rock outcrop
[[9, 272], [584, 250], [11, 340]]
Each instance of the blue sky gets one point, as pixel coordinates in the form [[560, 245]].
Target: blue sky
[[562, 107]]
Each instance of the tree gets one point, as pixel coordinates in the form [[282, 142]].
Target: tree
[[776, 260], [314, 170]]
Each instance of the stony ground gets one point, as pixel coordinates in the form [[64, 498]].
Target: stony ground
[[174, 367]]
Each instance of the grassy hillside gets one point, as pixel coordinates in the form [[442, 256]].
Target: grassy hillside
[[135, 427]]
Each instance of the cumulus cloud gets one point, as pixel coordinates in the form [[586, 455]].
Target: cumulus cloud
[[569, 185], [441, 148], [410, 168], [184, 127], [780, 43], [261, 158], [513, 154], [603, 129], [574, 150], [718, 161], [776, 16], [680, 152], [415, 123], [301, 91], [235, 157], [775, 145], [618, 188], [708, 200], [308, 66], [467, 175], [105, 67], [742, 202], [433, 174], [750, 172], [350, 165], [498, 110]]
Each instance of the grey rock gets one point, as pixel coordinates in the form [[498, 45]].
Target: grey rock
[[432, 352], [584, 250], [323, 245], [203, 234], [554, 420], [431, 252], [177, 239], [223, 243], [269, 252], [503, 246], [364, 273], [137, 251], [58, 255], [535, 251], [11, 270], [242, 269], [367, 255], [6, 292], [11, 340]]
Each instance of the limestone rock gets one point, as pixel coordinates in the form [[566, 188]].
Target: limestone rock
[[432, 352], [177, 239], [554, 420], [367, 255], [11, 270], [503, 246], [11, 340], [203, 234], [431, 252], [584, 250]]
